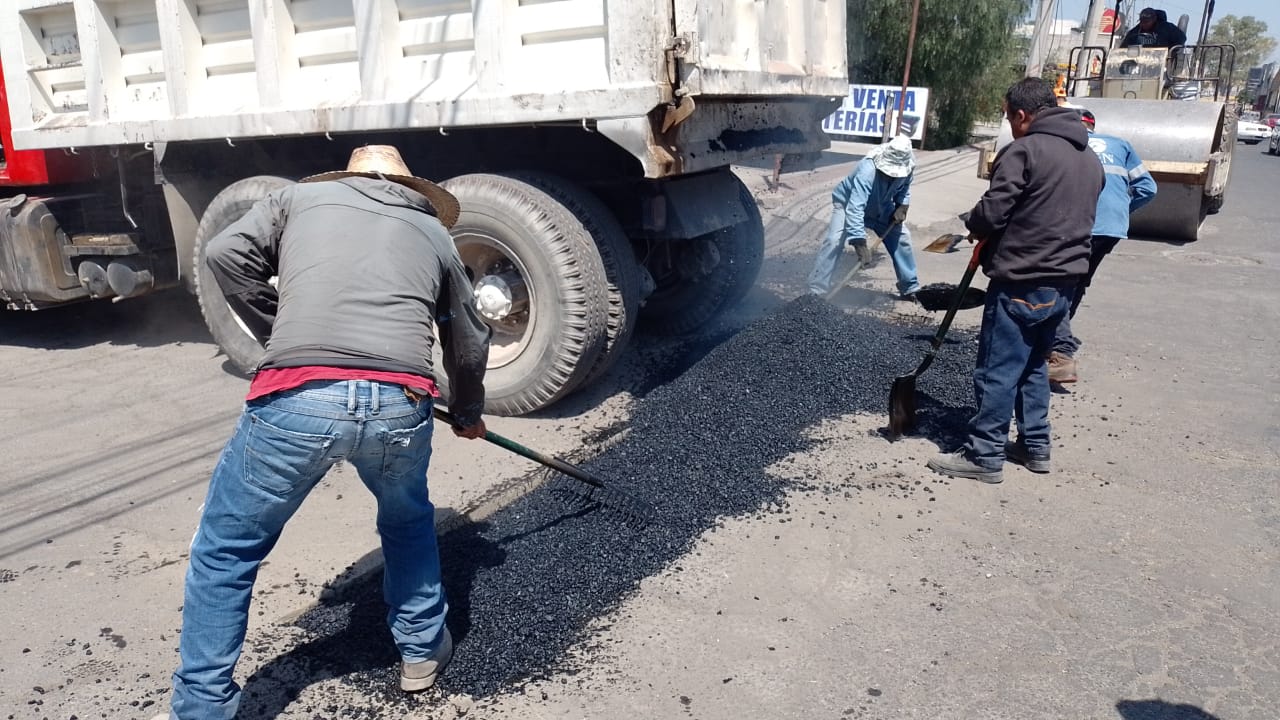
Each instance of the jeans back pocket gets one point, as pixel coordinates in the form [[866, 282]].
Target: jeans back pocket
[[407, 450], [1033, 307], [280, 461]]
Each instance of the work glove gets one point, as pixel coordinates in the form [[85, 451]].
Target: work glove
[[864, 253], [900, 214]]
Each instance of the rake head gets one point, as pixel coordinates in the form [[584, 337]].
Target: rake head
[[628, 509]]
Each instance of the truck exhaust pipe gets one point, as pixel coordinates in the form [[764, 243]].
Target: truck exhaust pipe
[[130, 277]]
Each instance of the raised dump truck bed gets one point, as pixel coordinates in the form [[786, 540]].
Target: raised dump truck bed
[[138, 129], [116, 72]]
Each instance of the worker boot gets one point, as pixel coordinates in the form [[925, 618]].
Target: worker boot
[[1062, 368], [1018, 454], [956, 465], [418, 676]]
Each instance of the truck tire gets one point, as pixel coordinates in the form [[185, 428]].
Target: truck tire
[[713, 272], [511, 232], [241, 347], [621, 270]]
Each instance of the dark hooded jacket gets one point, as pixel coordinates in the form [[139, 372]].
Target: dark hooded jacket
[[365, 274], [1037, 215], [1164, 34]]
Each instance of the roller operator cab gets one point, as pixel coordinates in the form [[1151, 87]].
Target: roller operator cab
[[588, 141]]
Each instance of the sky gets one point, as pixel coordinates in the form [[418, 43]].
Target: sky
[[1267, 11]]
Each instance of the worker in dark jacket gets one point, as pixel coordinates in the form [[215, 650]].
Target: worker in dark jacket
[[367, 274], [1154, 30], [1036, 219]]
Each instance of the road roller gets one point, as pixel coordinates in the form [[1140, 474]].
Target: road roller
[[1172, 105]]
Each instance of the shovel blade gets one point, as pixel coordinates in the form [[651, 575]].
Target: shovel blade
[[945, 243], [902, 406]]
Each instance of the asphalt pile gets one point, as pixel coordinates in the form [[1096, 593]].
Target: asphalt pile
[[524, 585]]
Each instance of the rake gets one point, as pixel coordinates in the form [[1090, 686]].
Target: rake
[[597, 491]]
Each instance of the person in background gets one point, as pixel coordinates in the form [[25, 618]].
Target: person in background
[[1154, 30], [368, 276], [1035, 221], [875, 195], [1128, 187]]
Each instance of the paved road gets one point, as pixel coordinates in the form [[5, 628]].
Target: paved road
[[1139, 581]]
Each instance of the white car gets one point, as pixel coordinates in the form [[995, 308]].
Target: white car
[[1252, 133]]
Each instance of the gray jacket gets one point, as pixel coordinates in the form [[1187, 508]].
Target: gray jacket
[[365, 271]]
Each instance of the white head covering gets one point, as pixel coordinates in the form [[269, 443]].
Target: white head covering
[[895, 158]]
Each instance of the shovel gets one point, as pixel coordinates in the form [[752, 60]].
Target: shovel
[[940, 296], [902, 396]]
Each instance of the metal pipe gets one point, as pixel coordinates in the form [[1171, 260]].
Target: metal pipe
[[1205, 19], [906, 71], [124, 190]]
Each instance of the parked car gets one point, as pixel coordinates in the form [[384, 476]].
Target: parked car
[[1252, 133], [1274, 146], [1271, 120]]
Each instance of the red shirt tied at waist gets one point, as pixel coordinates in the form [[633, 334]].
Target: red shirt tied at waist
[[274, 380]]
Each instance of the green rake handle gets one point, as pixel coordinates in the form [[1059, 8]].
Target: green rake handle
[[554, 463]]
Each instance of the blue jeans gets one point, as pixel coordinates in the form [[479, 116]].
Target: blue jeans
[[1012, 375], [1065, 341], [282, 446], [897, 242]]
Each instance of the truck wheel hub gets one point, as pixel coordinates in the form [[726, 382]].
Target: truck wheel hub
[[499, 296]]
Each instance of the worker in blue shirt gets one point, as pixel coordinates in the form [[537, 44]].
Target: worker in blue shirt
[[875, 195], [1128, 187]]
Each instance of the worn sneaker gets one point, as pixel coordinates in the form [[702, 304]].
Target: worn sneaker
[[418, 676], [956, 465], [1062, 368], [1017, 453]]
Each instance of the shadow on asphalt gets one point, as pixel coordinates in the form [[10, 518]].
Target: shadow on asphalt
[[163, 318], [1160, 710], [531, 585]]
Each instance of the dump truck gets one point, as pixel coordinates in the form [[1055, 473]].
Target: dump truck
[[1173, 106], [587, 141]]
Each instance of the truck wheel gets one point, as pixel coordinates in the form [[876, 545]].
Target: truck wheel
[[622, 272], [1215, 204], [232, 335], [540, 285], [697, 279]]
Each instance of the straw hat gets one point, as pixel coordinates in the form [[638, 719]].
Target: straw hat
[[384, 162], [894, 158]]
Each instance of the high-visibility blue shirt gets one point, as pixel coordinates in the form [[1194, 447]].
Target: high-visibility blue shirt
[[869, 199], [1128, 185]]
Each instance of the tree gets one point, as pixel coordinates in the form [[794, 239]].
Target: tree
[[1249, 35], [965, 53]]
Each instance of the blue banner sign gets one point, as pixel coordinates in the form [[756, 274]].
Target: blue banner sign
[[867, 108]]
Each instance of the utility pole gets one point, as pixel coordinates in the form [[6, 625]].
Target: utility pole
[[1088, 37], [1093, 22], [1040, 38]]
